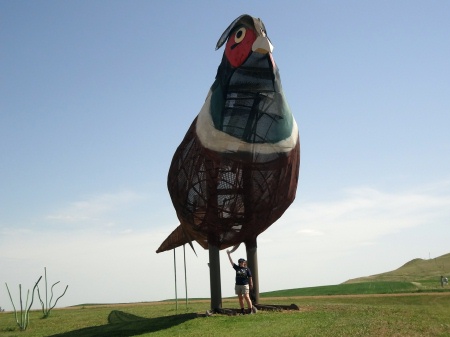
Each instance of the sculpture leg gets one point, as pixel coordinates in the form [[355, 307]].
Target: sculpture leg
[[252, 259], [214, 277]]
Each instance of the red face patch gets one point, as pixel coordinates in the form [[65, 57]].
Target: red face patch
[[239, 45]]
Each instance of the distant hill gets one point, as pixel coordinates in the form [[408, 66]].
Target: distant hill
[[414, 270]]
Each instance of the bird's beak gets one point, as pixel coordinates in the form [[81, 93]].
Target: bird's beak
[[262, 45]]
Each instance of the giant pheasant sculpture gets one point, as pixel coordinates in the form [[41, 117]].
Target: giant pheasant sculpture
[[236, 170]]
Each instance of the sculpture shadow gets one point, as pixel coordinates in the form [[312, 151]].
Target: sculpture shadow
[[122, 324]]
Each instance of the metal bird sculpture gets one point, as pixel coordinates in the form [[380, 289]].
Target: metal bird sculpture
[[236, 170]]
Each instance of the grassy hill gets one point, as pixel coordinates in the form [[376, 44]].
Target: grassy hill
[[361, 288], [417, 275], [413, 271]]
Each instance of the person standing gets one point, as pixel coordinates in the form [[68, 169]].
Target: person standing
[[243, 284]]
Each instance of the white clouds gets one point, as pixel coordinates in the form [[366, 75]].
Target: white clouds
[[366, 214], [309, 232], [121, 212], [358, 233], [94, 207], [98, 267]]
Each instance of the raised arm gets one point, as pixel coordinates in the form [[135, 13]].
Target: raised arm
[[229, 257]]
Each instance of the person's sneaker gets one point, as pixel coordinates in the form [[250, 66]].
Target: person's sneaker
[[242, 311]]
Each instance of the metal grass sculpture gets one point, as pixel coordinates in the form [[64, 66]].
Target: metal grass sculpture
[[47, 306], [23, 319]]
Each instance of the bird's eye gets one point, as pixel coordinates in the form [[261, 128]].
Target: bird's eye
[[240, 34]]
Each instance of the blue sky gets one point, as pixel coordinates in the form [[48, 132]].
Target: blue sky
[[95, 96]]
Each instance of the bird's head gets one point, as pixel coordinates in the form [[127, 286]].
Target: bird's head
[[247, 102], [244, 36]]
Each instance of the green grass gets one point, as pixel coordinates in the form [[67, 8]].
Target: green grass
[[381, 287], [348, 289], [323, 312]]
